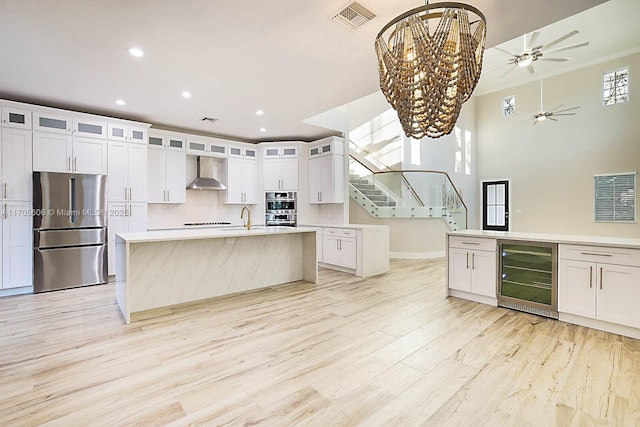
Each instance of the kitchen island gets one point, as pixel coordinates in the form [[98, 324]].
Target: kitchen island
[[163, 268]]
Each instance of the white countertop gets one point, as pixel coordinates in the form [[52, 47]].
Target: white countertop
[[351, 226], [553, 238], [209, 233]]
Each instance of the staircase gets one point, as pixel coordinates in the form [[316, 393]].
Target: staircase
[[371, 191]]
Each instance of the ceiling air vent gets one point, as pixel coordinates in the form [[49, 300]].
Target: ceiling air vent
[[209, 119], [353, 16]]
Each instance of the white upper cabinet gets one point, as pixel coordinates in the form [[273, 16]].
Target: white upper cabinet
[[52, 152], [326, 171], [125, 133], [16, 118], [89, 128], [56, 123], [280, 167], [15, 164], [210, 147], [62, 153], [166, 175], [168, 142], [127, 172], [242, 176]]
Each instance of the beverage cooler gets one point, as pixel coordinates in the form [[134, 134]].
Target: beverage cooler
[[528, 278]]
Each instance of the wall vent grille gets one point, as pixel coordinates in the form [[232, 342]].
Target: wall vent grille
[[353, 16]]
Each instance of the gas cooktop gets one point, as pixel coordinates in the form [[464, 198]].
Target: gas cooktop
[[206, 223]]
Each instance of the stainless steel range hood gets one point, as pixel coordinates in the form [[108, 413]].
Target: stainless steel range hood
[[205, 182]]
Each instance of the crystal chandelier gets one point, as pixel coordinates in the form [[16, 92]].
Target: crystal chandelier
[[427, 77]]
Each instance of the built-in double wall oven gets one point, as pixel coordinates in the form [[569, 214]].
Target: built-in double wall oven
[[280, 209]]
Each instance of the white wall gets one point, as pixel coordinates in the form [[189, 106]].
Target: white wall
[[551, 165]]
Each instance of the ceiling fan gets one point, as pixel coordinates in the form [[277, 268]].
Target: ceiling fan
[[543, 115], [533, 52]]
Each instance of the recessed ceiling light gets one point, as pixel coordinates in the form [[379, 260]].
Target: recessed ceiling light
[[120, 102], [136, 51], [186, 94], [259, 112], [263, 130]]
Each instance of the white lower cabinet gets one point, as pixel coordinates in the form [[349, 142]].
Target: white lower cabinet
[[473, 267], [17, 245], [599, 290], [339, 247], [123, 218]]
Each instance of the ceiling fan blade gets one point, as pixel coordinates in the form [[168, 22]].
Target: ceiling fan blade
[[554, 59], [531, 69], [551, 118], [564, 114], [532, 40], [535, 121], [560, 40], [505, 51], [509, 70], [573, 46], [566, 109], [555, 108]]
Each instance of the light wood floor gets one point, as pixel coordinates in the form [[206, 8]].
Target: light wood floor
[[386, 351]]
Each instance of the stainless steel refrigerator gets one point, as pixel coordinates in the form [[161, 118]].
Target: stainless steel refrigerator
[[69, 230]]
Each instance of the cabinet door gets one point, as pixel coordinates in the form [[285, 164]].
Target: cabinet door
[[315, 179], [577, 288], [137, 134], [90, 156], [137, 172], [483, 273], [235, 188], [51, 152], [330, 251], [16, 118], [618, 294], [250, 172], [117, 171], [289, 174], [459, 269], [90, 128], [138, 218], [156, 175], [17, 245], [117, 132], [348, 252], [272, 175], [15, 164], [117, 223], [326, 179], [52, 123], [271, 152], [176, 177]]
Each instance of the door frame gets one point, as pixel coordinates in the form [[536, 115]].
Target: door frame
[[481, 192]]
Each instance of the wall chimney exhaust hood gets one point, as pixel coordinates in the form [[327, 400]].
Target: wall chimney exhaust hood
[[205, 182]]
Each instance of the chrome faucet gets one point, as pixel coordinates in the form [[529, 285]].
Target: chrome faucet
[[248, 224]]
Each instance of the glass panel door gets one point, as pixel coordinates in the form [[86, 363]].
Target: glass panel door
[[495, 205]]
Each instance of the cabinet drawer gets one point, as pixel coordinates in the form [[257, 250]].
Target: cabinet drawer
[[620, 256], [476, 243], [340, 232]]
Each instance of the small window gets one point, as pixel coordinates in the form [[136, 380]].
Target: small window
[[615, 197], [508, 106], [615, 87]]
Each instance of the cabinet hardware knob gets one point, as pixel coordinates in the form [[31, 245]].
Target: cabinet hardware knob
[[473, 261], [467, 260], [590, 277], [595, 254]]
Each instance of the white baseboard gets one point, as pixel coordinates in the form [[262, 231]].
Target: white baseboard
[[417, 255], [16, 291]]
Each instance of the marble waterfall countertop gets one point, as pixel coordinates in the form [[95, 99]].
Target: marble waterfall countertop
[[187, 233], [618, 242], [160, 269]]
